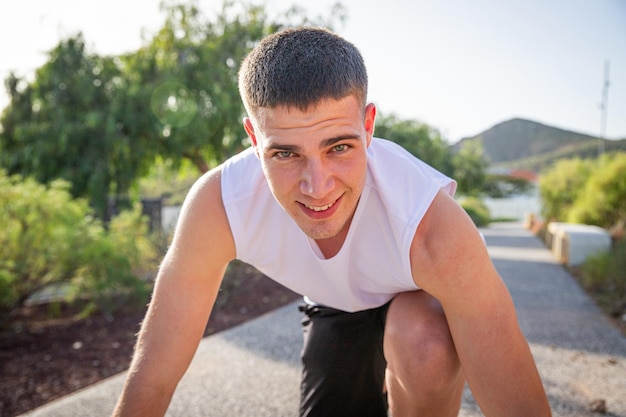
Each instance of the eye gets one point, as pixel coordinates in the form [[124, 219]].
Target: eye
[[340, 148], [283, 154]]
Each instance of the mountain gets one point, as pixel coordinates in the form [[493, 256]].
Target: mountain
[[524, 144]]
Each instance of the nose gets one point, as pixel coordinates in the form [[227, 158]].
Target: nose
[[317, 179]]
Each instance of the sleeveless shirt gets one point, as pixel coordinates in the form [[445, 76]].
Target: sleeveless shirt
[[373, 264]]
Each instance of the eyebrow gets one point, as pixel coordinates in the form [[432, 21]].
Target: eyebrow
[[323, 144]]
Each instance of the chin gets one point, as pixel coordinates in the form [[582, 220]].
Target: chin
[[321, 233]]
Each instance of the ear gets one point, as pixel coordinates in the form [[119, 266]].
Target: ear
[[249, 128], [369, 122]]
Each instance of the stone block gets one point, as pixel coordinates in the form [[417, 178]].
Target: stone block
[[572, 244]]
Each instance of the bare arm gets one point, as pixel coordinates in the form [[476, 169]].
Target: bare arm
[[450, 261], [184, 294]]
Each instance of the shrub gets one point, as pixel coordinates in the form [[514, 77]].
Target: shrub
[[48, 237], [602, 201], [586, 191], [560, 186], [603, 275], [113, 263], [40, 226]]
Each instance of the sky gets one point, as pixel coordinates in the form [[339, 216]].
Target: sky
[[460, 66]]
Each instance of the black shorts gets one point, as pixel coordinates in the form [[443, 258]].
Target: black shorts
[[343, 363]]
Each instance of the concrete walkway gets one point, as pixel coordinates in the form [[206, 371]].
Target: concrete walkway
[[253, 369]]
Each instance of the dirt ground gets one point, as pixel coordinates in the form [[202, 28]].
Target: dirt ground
[[42, 359]]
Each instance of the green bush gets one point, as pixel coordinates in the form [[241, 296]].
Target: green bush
[[114, 263], [602, 201], [48, 237], [586, 191], [560, 186], [603, 275], [477, 210]]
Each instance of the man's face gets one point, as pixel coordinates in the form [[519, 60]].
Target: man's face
[[315, 161]]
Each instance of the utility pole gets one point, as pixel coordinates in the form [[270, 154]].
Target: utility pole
[[604, 107]]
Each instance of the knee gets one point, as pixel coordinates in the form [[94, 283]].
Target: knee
[[417, 341]]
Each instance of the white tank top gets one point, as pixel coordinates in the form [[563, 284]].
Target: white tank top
[[373, 264]]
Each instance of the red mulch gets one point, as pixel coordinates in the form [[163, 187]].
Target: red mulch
[[42, 359]]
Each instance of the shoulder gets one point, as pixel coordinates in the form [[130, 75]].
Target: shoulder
[[447, 252], [205, 191], [228, 180], [202, 222]]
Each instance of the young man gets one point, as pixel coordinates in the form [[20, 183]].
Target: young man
[[403, 302]]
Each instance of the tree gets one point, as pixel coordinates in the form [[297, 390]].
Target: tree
[[470, 169], [187, 77], [418, 138], [100, 122], [61, 126]]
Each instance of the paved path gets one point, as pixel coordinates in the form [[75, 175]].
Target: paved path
[[253, 369]]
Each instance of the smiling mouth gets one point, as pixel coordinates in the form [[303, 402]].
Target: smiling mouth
[[320, 208]]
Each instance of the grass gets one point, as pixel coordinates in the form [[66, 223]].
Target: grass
[[603, 277]]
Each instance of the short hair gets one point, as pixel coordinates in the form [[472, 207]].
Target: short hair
[[299, 67]]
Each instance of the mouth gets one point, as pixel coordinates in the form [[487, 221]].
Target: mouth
[[321, 212], [320, 208]]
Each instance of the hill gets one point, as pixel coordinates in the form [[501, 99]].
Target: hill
[[524, 144]]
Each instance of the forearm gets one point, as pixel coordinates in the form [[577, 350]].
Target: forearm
[[140, 400], [502, 375], [167, 341], [161, 357], [495, 356], [146, 391]]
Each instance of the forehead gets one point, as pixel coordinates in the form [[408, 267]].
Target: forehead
[[327, 115]]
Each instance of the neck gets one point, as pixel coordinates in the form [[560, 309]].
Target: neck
[[331, 246]]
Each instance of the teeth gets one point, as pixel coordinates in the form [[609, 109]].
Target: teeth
[[319, 208]]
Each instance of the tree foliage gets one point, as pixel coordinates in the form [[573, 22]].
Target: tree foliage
[[470, 169], [183, 83], [100, 122], [61, 125], [419, 139], [188, 75]]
